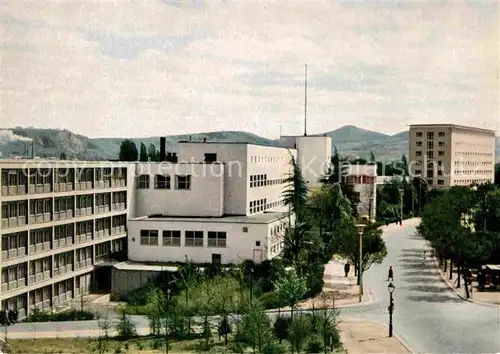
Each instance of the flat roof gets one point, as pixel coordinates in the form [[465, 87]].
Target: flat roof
[[263, 218], [444, 125], [67, 163], [144, 266]]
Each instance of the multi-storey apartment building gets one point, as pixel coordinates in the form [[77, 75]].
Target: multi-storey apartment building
[[59, 220], [448, 155], [364, 180]]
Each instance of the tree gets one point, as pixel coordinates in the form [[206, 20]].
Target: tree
[[497, 173], [128, 151], [374, 249], [291, 288], [255, 327], [125, 327], [152, 154], [295, 194], [143, 155]]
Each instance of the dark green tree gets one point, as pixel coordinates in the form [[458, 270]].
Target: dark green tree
[[295, 194], [143, 155], [128, 151], [152, 153]]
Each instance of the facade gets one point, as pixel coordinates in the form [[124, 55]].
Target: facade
[[364, 180], [59, 221], [448, 155], [221, 202], [314, 154]]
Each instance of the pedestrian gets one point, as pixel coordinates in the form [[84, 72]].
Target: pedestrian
[[391, 274], [347, 268]]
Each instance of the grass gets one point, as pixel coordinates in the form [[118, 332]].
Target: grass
[[138, 345]]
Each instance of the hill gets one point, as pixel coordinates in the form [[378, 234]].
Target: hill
[[349, 140]]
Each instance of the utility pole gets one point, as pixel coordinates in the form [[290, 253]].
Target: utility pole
[[305, 102]]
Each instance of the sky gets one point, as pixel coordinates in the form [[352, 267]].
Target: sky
[[149, 68]]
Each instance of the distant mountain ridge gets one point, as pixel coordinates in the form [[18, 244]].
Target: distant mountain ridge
[[349, 140]]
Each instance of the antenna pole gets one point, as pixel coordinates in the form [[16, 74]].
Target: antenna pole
[[305, 102]]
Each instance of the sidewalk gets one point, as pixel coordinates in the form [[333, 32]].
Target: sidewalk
[[360, 337], [491, 298]]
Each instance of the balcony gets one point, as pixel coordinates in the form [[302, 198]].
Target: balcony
[[64, 214], [63, 187], [39, 218], [83, 264], [13, 285], [105, 208], [83, 211], [83, 238], [102, 233], [68, 268], [83, 185], [39, 188], [63, 242], [118, 183], [39, 247], [99, 184], [117, 230], [118, 206], [13, 253], [38, 277], [13, 222], [13, 190]]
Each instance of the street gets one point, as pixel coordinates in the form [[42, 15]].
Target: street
[[429, 317]]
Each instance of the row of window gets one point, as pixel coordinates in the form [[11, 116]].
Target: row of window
[[191, 238], [430, 135], [473, 153], [44, 206], [269, 159], [164, 182], [258, 205], [430, 144], [261, 181], [430, 154], [16, 177]]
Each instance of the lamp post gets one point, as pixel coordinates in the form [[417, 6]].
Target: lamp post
[[391, 289], [251, 284], [370, 206], [361, 228], [401, 191]]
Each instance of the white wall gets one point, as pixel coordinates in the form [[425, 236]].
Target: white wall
[[314, 156], [275, 164], [234, 156], [205, 198], [240, 245]]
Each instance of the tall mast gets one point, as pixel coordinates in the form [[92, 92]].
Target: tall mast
[[305, 101]]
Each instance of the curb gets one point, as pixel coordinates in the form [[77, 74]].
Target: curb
[[394, 335], [450, 285]]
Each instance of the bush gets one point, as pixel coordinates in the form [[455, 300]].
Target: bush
[[315, 345], [273, 348], [270, 300], [68, 315]]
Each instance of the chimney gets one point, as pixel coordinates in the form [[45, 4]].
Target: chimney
[[163, 147]]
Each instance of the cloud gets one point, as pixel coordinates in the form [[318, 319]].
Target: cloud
[[150, 68]]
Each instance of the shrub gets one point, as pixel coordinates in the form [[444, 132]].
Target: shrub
[[315, 345], [273, 348], [68, 315], [270, 300]]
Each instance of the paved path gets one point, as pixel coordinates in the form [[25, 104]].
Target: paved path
[[429, 317]]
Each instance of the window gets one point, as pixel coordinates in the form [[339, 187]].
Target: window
[[429, 182], [162, 181], [419, 143], [440, 153], [257, 243], [430, 154], [430, 135], [418, 134], [441, 143], [418, 172], [183, 182], [216, 239], [149, 237], [440, 163], [193, 239], [430, 173], [210, 158], [171, 238], [216, 258], [418, 153], [440, 182], [440, 173], [245, 229], [441, 134], [430, 145], [143, 182]]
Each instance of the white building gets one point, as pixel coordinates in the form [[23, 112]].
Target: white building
[[314, 153], [222, 202], [364, 180]]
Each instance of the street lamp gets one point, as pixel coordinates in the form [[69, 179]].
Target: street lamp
[[251, 284], [361, 228], [391, 289], [370, 206], [401, 191]]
